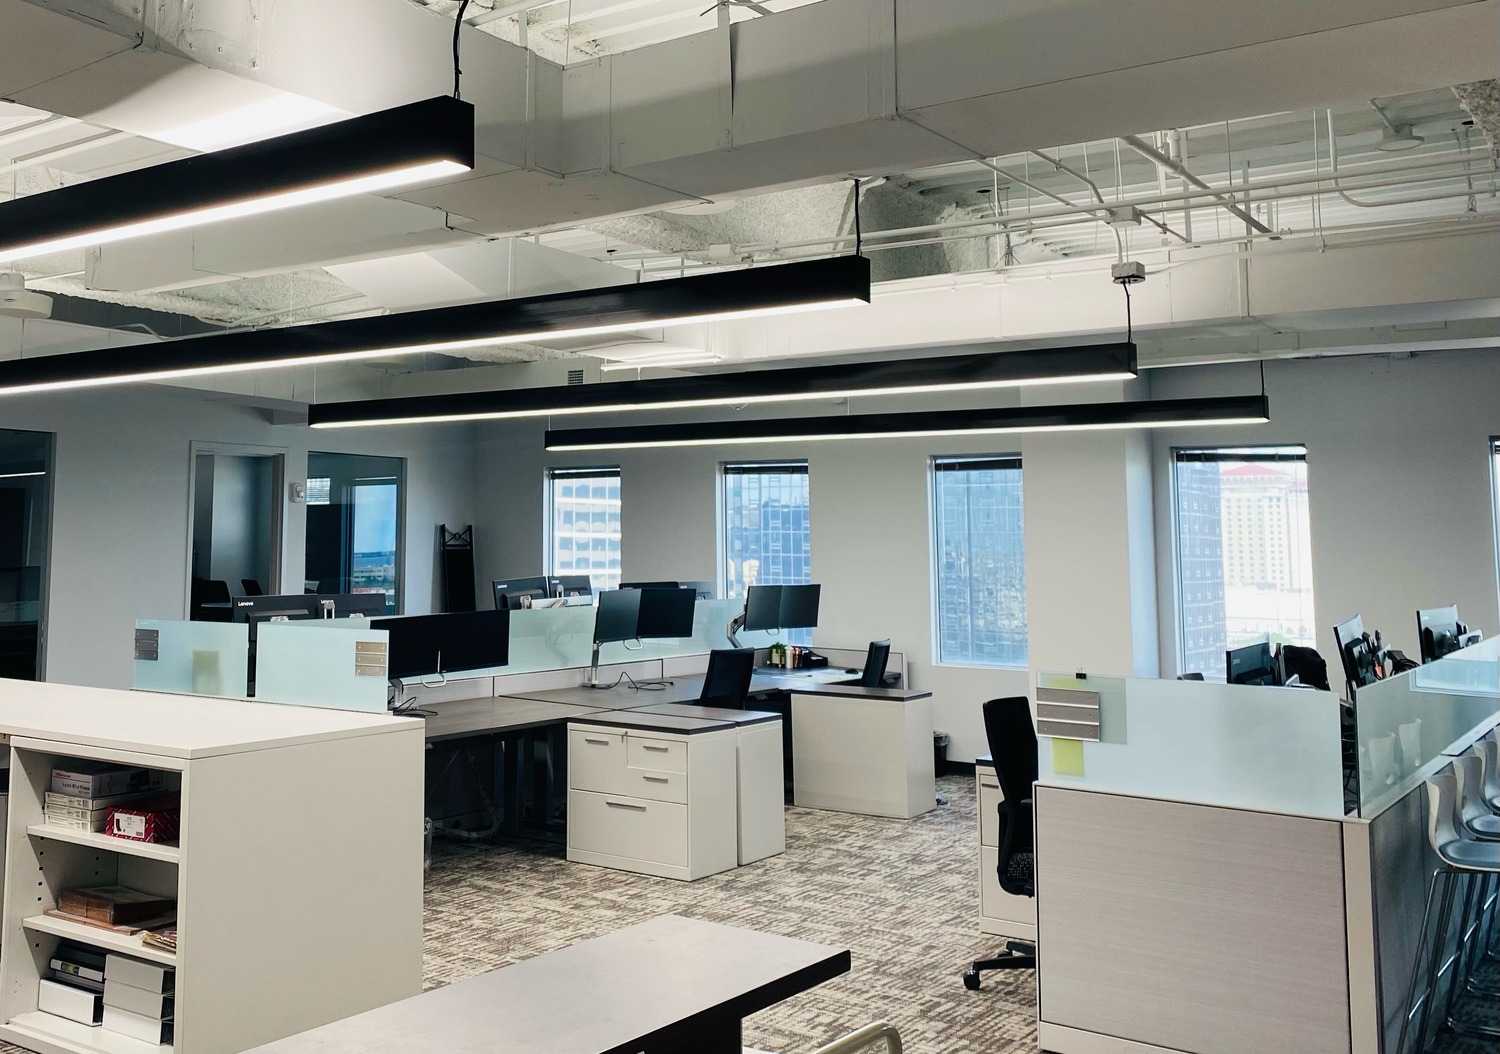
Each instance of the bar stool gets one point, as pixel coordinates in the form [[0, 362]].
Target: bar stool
[[1462, 860], [1479, 822]]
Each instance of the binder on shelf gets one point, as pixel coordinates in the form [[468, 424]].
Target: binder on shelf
[[138, 973], [75, 1004], [137, 1026]]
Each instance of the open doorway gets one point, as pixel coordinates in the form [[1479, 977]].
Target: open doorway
[[25, 535], [235, 542], [355, 511]]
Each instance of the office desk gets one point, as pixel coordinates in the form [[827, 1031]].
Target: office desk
[[465, 718], [863, 750], [666, 986]]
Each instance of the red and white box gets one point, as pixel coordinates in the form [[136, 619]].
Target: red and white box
[[156, 820]]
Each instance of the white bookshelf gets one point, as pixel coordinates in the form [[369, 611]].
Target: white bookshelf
[[300, 856]]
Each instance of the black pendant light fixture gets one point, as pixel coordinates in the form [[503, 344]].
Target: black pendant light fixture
[[951, 373], [409, 144], [806, 286], [1166, 413]]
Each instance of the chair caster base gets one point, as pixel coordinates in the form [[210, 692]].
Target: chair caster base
[[971, 979]]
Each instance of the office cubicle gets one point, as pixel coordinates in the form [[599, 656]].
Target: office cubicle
[[1220, 858]]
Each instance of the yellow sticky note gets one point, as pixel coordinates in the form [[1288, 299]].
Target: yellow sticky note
[[1067, 757]]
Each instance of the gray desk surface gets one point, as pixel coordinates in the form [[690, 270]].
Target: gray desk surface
[[621, 697], [648, 722], [854, 691], [661, 985], [457, 718], [711, 713]]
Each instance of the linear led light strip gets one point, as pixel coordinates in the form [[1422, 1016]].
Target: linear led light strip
[[924, 433], [331, 191], [413, 349], [20, 475], [730, 400]]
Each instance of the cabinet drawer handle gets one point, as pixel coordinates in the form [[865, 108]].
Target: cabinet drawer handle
[[625, 805], [596, 742], [659, 750], [989, 786], [656, 779]]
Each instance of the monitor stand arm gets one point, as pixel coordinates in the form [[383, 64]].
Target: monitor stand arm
[[735, 625], [592, 680]]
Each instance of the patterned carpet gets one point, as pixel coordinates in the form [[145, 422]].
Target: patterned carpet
[[901, 894]]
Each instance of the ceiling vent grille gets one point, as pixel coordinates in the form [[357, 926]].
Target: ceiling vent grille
[[575, 376]]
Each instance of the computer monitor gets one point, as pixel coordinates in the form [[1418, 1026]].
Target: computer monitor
[[799, 606], [571, 585], [436, 645], [370, 605], [876, 657], [616, 618], [537, 585], [705, 590], [262, 609], [666, 613], [1355, 656], [1439, 632], [1252, 664], [763, 608], [648, 585]]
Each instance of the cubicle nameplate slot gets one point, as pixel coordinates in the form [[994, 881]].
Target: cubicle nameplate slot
[[1065, 713], [147, 645], [370, 658]]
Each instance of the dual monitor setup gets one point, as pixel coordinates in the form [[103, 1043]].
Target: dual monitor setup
[[1366, 659]]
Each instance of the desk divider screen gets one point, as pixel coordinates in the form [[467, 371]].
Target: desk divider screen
[[334, 663], [192, 658], [1275, 749], [1406, 726]]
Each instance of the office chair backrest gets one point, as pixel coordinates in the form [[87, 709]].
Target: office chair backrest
[[215, 591], [727, 681], [875, 660], [251, 587], [1012, 743], [1306, 665]]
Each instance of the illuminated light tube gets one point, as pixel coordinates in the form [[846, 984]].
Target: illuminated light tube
[[409, 144], [807, 286], [951, 373], [1083, 417]]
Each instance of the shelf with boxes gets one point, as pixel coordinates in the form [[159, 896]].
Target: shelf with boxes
[[92, 832]]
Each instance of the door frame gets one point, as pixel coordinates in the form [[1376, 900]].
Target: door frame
[[278, 492]]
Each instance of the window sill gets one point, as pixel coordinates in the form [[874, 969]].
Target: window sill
[[982, 666]]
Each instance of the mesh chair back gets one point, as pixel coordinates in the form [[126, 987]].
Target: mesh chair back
[[1012, 743], [727, 681]]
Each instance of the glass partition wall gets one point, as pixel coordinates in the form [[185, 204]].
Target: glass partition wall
[[356, 505], [25, 538]]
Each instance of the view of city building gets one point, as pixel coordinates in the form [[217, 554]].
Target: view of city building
[[584, 525], [1244, 552], [981, 561], [767, 518]]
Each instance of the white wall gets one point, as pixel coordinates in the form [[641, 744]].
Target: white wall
[[120, 509], [1399, 483]]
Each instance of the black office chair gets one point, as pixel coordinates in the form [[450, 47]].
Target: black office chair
[[727, 681], [875, 659], [1306, 665], [251, 587], [1012, 742], [212, 591]]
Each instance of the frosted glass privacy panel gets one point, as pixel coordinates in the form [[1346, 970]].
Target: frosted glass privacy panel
[[335, 663], [1406, 725], [548, 639], [1276, 749], [195, 658]]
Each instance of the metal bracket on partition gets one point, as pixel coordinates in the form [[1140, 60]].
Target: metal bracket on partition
[[735, 625], [147, 645], [370, 658], [1065, 713]]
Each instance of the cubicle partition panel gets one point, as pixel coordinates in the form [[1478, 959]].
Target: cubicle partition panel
[[192, 658], [335, 663]]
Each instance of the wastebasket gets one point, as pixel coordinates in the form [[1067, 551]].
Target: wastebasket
[[939, 753]]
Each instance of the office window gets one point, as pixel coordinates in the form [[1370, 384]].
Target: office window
[[583, 524], [1244, 551], [354, 525], [980, 573], [767, 526]]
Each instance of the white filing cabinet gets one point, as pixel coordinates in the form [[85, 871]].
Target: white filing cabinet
[[653, 794], [863, 750], [999, 912]]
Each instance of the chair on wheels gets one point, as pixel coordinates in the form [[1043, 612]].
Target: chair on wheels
[[1012, 742], [727, 681]]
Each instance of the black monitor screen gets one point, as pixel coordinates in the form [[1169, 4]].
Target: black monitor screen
[[427, 645], [535, 586], [370, 605], [1353, 655], [617, 615], [799, 606], [260, 609], [1251, 664], [763, 607], [1437, 632], [666, 613], [572, 585]]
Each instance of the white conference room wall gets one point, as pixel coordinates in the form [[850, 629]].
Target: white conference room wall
[[120, 509], [1399, 483]]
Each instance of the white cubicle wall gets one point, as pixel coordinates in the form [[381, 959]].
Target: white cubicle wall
[[196, 658]]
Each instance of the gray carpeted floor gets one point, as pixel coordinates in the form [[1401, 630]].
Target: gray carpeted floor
[[901, 894]]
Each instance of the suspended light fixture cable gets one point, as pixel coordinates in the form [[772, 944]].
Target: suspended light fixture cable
[[458, 21], [1128, 331], [859, 244]]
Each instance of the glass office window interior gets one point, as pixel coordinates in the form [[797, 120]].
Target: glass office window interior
[[25, 532], [1244, 551], [583, 524], [980, 553], [355, 509], [767, 525]]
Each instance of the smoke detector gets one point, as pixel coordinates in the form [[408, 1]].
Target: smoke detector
[[16, 301], [1399, 137]]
